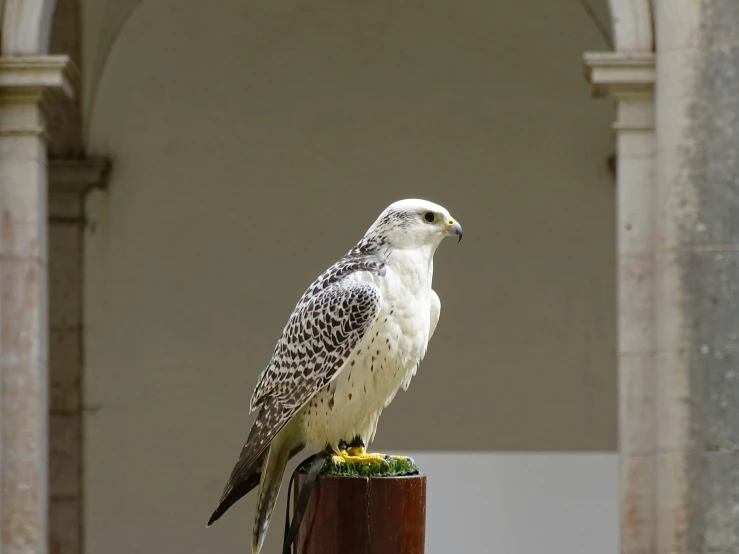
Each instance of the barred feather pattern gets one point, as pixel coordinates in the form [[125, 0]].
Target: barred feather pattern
[[328, 322], [322, 327], [321, 331]]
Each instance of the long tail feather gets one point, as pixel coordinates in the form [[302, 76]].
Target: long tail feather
[[269, 487], [244, 486]]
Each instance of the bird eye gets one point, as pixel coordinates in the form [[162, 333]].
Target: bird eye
[[430, 217]]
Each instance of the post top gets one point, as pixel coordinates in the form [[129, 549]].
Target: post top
[[394, 467]]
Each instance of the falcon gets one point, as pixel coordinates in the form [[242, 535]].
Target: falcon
[[356, 336]]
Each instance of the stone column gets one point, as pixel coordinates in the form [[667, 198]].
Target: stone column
[[697, 275], [629, 78], [26, 86], [69, 182]]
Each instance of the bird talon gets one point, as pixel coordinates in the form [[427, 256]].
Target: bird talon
[[340, 458], [406, 458], [359, 455]]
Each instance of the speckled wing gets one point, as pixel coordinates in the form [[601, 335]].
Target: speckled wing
[[321, 334]]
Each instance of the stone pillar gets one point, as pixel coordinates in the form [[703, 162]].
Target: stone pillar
[[629, 78], [69, 182], [697, 275], [27, 85]]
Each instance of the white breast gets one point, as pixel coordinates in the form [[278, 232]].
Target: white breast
[[385, 360]]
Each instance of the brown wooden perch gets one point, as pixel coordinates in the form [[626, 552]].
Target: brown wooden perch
[[363, 515]]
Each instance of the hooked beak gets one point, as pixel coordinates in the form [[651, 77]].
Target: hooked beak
[[453, 228]]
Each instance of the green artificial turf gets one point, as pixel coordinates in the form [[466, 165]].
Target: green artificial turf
[[393, 467]]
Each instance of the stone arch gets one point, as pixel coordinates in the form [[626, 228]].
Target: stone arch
[[26, 26], [633, 28]]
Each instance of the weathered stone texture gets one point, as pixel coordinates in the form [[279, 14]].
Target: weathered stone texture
[[698, 306], [23, 322]]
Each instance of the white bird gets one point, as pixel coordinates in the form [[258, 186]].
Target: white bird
[[354, 339]]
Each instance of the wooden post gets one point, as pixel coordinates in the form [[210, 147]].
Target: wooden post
[[363, 515]]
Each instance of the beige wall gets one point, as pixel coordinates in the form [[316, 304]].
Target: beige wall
[[253, 145]]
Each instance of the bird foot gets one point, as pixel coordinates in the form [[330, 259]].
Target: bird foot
[[360, 452], [359, 455]]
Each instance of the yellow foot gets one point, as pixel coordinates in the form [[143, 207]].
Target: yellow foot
[[358, 455], [406, 458], [339, 458], [360, 452]]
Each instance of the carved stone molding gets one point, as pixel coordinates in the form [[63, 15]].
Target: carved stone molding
[[35, 74], [623, 75], [48, 82], [78, 175]]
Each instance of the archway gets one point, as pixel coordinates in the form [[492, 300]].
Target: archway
[[26, 33]]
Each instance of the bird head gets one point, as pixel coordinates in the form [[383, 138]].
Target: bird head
[[415, 223]]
